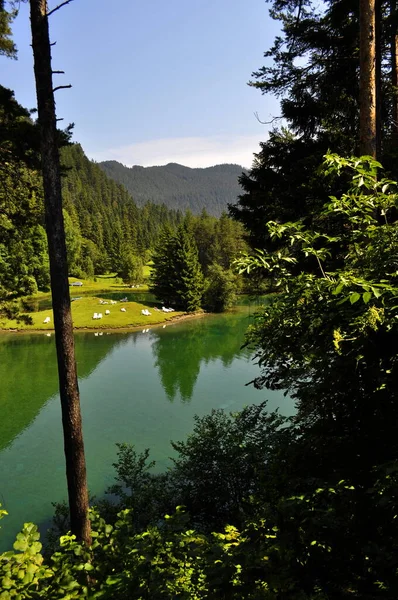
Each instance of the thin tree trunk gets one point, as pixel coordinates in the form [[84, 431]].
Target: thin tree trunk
[[394, 66], [379, 126], [68, 386], [367, 84]]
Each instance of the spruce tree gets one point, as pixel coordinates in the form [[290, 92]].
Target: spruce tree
[[315, 70], [177, 277], [188, 274], [7, 46]]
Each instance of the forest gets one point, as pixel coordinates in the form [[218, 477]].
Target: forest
[[256, 505], [179, 187], [104, 228]]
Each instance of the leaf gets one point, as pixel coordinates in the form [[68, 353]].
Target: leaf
[[338, 289], [354, 297], [21, 545], [366, 296], [6, 582]]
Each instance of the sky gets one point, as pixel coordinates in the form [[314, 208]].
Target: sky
[[155, 81]]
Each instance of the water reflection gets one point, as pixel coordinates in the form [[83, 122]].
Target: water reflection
[[29, 376], [28, 368], [179, 354], [126, 381]]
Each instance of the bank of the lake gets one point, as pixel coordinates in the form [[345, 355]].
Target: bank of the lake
[[121, 313], [136, 387]]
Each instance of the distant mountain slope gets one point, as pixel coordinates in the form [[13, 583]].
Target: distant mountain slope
[[179, 187]]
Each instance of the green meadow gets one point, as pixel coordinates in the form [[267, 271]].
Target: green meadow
[[91, 298]]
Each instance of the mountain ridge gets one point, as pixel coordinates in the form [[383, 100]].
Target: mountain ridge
[[179, 187]]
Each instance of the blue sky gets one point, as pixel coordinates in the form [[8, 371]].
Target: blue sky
[[155, 81]]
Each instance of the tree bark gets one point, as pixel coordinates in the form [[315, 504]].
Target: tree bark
[[394, 66], [378, 60], [68, 385], [368, 73]]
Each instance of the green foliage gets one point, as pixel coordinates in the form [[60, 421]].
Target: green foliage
[[149, 495], [222, 464], [313, 68], [176, 276], [220, 289], [7, 46], [108, 231], [327, 336], [205, 245], [132, 268], [22, 571], [311, 546]]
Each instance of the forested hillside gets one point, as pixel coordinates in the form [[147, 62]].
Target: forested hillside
[[105, 230], [105, 224], [179, 187]]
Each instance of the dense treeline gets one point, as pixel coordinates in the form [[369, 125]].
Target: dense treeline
[[179, 187], [105, 227], [105, 230], [193, 265]]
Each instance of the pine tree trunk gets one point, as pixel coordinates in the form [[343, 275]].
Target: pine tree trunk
[[394, 66], [367, 85], [69, 391], [379, 126]]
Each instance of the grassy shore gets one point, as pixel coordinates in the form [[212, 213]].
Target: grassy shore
[[89, 300]]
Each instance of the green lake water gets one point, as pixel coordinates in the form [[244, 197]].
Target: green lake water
[[140, 388]]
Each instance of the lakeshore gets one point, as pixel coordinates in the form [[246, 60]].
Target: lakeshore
[[171, 320], [125, 305]]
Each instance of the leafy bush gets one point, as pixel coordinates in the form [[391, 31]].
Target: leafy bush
[[220, 289]]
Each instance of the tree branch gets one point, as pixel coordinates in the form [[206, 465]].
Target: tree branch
[[62, 87], [266, 122], [58, 7], [59, 72]]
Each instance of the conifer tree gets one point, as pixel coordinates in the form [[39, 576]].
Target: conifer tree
[[7, 46], [177, 277], [327, 87], [369, 100]]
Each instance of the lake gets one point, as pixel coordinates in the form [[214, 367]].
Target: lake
[[140, 387]]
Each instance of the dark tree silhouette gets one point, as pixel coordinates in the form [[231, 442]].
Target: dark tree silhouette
[[368, 133]]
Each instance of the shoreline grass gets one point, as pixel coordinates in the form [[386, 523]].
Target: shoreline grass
[[90, 301], [82, 315]]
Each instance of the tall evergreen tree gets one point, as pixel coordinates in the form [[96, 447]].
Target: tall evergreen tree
[[176, 277], [7, 46], [369, 59], [315, 71]]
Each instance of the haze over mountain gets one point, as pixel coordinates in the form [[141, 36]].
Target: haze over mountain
[[179, 187]]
